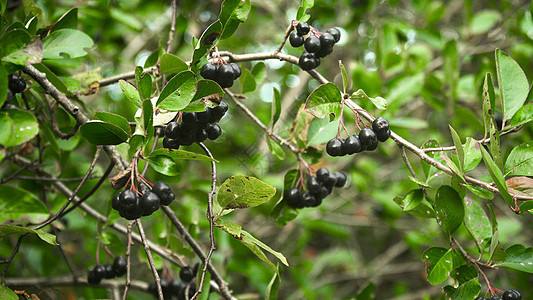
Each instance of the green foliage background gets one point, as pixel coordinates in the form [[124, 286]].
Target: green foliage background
[[427, 58]]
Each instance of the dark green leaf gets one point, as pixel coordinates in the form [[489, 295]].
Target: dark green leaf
[[178, 92], [8, 229], [464, 273], [3, 88], [367, 292], [518, 258], [522, 116], [180, 154], [147, 119], [497, 176], [449, 208], [114, 119], [410, 200], [16, 203], [101, 133], [247, 82], [66, 41], [31, 54], [171, 64], [243, 191], [164, 164], [439, 264], [208, 88], [528, 205], [513, 83], [17, 126], [520, 160], [13, 41], [53, 78], [489, 102], [276, 108], [259, 72], [324, 100], [477, 222], [301, 15], [154, 57], [210, 35], [231, 14], [144, 83], [67, 20], [379, 102], [467, 290]]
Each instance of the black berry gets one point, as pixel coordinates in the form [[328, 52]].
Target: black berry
[[327, 40], [186, 274], [150, 203], [511, 295], [351, 145], [322, 193], [109, 272], [480, 298], [172, 130], [334, 147], [16, 84], [313, 185], [213, 131], [163, 190], [495, 298], [128, 198], [368, 139], [99, 271], [203, 116], [322, 174], [296, 40], [324, 51], [293, 197], [176, 287], [92, 279], [341, 179], [335, 33], [312, 44], [201, 135], [165, 288], [189, 117], [209, 71], [119, 266], [218, 112], [308, 199], [115, 203], [307, 61], [384, 136], [303, 28], [170, 143], [380, 125], [225, 75], [236, 70]]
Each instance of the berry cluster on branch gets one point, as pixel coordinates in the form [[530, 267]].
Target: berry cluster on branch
[[317, 44], [318, 188], [180, 289], [132, 204], [367, 139], [109, 271]]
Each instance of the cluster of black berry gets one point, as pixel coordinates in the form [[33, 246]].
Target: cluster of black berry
[[507, 295], [16, 85], [366, 140], [131, 205], [99, 272], [316, 45], [224, 74], [318, 188], [195, 127], [177, 289]]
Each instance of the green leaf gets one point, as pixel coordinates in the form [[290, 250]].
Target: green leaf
[[233, 229], [321, 131], [468, 290], [497, 176], [283, 213], [247, 82], [472, 154], [153, 58], [164, 164], [273, 285], [525, 206], [135, 143], [410, 200], [6, 230], [344, 77], [232, 13], [489, 102], [180, 154], [522, 116], [520, 160], [276, 108], [464, 273], [67, 20], [125, 18], [178, 92], [171, 64], [144, 83], [450, 209], [114, 119], [243, 191], [481, 192], [483, 21], [130, 92], [207, 39], [147, 119], [31, 54], [439, 264], [494, 145], [208, 88], [513, 83], [5, 292], [324, 100], [3, 89], [14, 40], [53, 78], [101, 133], [17, 127], [249, 238], [379, 102], [205, 287], [276, 149], [518, 258], [477, 222], [301, 15], [458, 148], [452, 166], [367, 293], [16, 203], [259, 72], [66, 41]]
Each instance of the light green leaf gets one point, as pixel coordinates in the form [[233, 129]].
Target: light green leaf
[[180, 155], [520, 160], [126, 18], [410, 200], [243, 191], [439, 264], [380, 103], [259, 72], [178, 92], [171, 64], [344, 77], [301, 15], [232, 13], [324, 100], [208, 88], [276, 149], [18, 126], [513, 83], [247, 82], [249, 238], [144, 83], [458, 148], [66, 41], [489, 103], [5, 292], [16, 203], [273, 285], [497, 176], [209, 36], [276, 108], [130, 92], [472, 154], [468, 290], [483, 21], [477, 222], [321, 131], [518, 258], [114, 119], [31, 54], [8, 229]]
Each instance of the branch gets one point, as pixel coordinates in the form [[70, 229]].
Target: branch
[[124, 76], [150, 259], [172, 26], [70, 281], [128, 262]]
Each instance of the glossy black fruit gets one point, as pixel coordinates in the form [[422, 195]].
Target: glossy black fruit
[[209, 71], [134, 211], [307, 61], [16, 84], [170, 143], [308, 200], [189, 117], [322, 174], [186, 274], [303, 28], [203, 116], [322, 193], [495, 298], [237, 72], [163, 190], [293, 197], [511, 295], [165, 288], [201, 135], [172, 130], [351, 145], [324, 51], [368, 139], [313, 185], [187, 139], [213, 131], [119, 266], [225, 74], [317, 61], [312, 44], [330, 181], [218, 112], [341, 179], [109, 272], [327, 40], [150, 203], [99, 271], [295, 39], [115, 203], [176, 287], [385, 136], [334, 147], [380, 125], [152, 289], [92, 279], [128, 198], [480, 298], [335, 33]]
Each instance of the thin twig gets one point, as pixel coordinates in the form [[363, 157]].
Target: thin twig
[[14, 175], [128, 260], [69, 281], [287, 33], [150, 259], [76, 191], [124, 76], [172, 26], [46, 179], [55, 126], [411, 170], [15, 251], [210, 217]]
